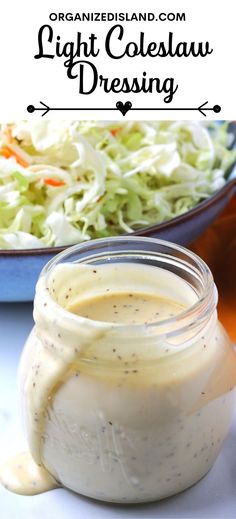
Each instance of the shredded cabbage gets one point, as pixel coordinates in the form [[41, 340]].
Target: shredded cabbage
[[65, 182]]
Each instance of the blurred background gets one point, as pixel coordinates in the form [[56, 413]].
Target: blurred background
[[217, 246]]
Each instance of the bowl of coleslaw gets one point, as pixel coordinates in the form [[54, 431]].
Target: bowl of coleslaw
[[64, 182]]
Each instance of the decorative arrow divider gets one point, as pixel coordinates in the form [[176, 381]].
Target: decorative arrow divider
[[124, 108]]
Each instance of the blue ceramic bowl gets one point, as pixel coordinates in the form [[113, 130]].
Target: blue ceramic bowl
[[19, 269]]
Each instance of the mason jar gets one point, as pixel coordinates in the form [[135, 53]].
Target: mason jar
[[120, 411]]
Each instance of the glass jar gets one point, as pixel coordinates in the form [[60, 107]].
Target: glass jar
[[127, 413]]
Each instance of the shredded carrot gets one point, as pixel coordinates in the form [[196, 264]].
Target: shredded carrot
[[7, 153], [53, 182], [114, 131], [19, 159]]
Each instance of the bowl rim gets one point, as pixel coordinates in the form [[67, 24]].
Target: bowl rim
[[220, 193]]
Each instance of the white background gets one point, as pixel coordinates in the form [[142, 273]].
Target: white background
[[25, 80]]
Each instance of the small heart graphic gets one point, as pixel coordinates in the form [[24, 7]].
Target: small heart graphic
[[123, 107]]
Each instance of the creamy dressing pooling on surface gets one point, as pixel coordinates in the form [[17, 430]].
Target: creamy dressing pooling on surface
[[127, 308], [115, 412]]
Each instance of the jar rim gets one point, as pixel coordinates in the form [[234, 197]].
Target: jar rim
[[207, 298]]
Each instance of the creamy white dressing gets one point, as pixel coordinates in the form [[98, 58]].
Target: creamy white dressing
[[23, 476], [114, 410], [127, 308]]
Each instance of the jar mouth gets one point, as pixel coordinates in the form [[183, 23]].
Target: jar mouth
[[175, 257]]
